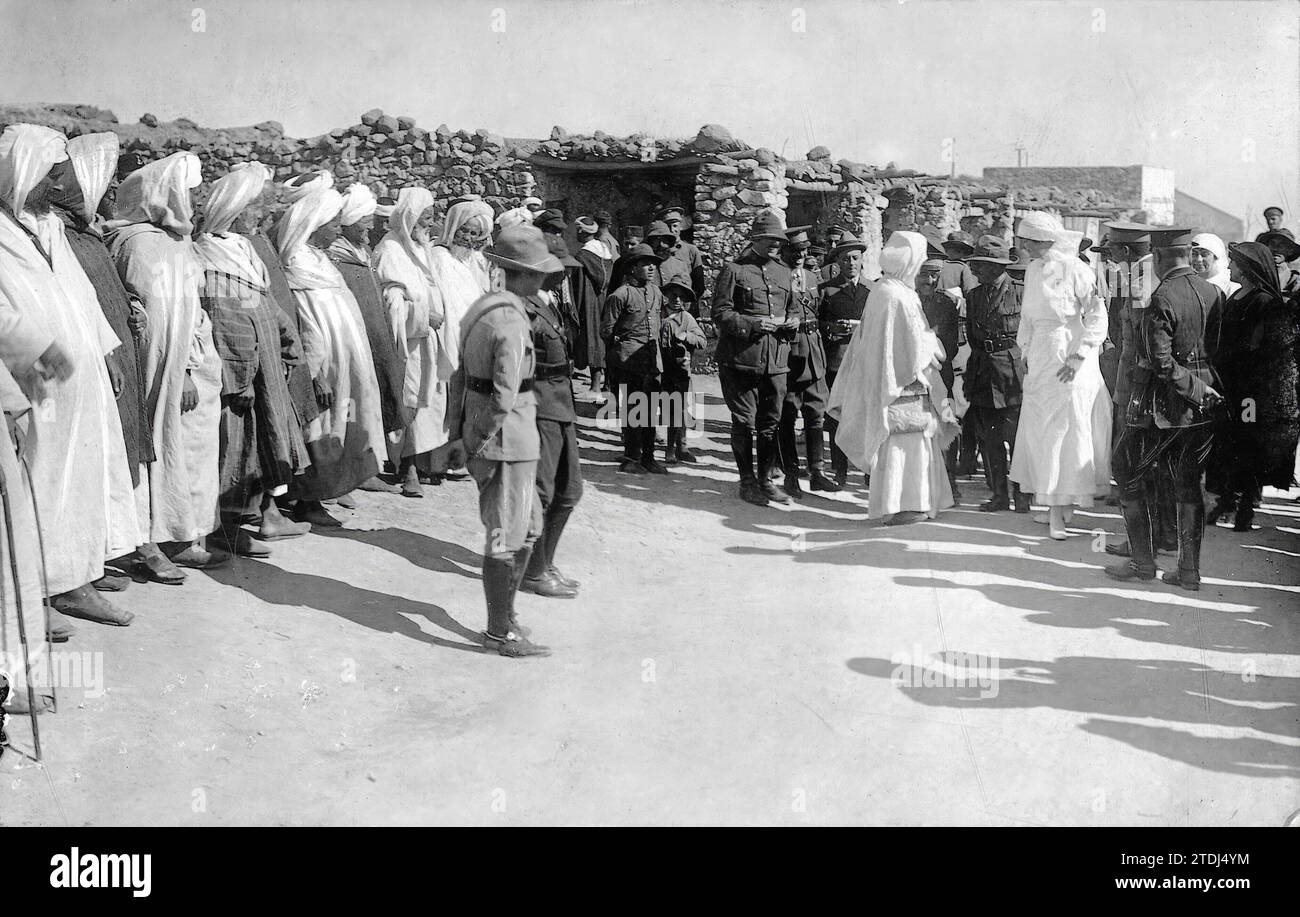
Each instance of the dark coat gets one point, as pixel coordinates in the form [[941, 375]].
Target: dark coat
[[747, 289], [807, 352], [1251, 340], [993, 376], [552, 367], [630, 327], [299, 381], [840, 302], [93, 256], [390, 367], [941, 312], [1171, 368], [588, 284]]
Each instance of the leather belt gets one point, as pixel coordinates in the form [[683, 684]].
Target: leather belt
[[487, 386], [547, 372], [994, 345]]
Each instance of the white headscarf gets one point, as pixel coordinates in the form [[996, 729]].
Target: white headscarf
[[520, 216], [902, 257], [232, 193], [1214, 245], [94, 160], [411, 204], [159, 193], [27, 153], [1039, 226], [308, 213], [462, 213], [300, 186], [359, 202]]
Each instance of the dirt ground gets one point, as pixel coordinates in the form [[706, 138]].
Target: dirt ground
[[724, 664]]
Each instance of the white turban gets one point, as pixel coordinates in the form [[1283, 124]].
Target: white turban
[[1039, 226], [232, 193], [94, 160], [462, 213], [308, 213], [301, 185], [902, 256], [358, 203], [27, 153], [159, 193]]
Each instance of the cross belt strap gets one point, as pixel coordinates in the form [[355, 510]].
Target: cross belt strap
[[487, 386]]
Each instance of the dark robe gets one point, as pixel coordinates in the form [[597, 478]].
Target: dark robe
[[588, 284], [390, 368], [92, 254], [262, 446], [299, 381]]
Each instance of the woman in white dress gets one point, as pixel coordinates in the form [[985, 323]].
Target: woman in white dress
[[895, 418], [1062, 452]]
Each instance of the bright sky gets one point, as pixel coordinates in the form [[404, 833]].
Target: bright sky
[[1209, 88]]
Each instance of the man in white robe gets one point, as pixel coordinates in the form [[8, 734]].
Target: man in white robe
[[177, 494], [346, 441], [77, 456]]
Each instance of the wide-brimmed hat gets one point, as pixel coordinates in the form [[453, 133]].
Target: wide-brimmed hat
[[848, 242], [962, 241], [993, 249], [1292, 249], [523, 248], [640, 252], [681, 287], [767, 226], [658, 228]]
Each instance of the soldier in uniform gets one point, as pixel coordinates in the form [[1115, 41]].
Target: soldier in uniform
[[839, 309], [942, 312], [559, 473], [1168, 423], [1130, 245], [956, 274], [630, 327], [806, 390], [682, 251], [995, 371], [492, 416], [752, 303]]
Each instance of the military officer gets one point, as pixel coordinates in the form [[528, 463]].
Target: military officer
[[559, 473], [806, 390], [1168, 420], [942, 312], [839, 310], [752, 305], [995, 371], [684, 252], [492, 415]]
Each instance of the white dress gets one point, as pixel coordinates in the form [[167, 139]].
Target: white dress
[[1062, 452]]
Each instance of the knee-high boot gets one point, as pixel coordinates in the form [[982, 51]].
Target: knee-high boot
[[767, 459], [742, 448], [499, 582], [1141, 539], [1191, 529]]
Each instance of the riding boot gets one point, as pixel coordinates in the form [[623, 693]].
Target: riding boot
[[816, 446], [742, 447], [556, 519], [767, 460], [1141, 539], [498, 588], [1191, 529]]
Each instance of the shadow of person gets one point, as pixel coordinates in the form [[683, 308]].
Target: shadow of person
[[1145, 618], [378, 611], [1167, 689], [1247, 756], [422, 550]]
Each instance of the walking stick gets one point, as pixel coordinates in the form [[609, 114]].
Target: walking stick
[[18, 604], [45, 577]]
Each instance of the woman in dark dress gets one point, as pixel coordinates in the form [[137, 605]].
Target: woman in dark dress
[[1252, 346]]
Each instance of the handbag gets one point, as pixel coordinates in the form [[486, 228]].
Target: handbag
[[907, 414]]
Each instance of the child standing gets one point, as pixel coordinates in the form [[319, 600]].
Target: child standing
[[680, 336]]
